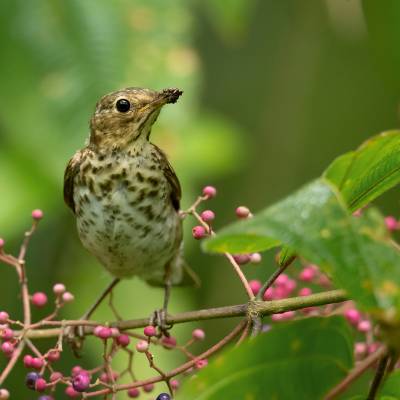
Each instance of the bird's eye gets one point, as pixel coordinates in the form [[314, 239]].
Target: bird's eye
[[123, 105]]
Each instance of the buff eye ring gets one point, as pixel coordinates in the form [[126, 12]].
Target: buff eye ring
[[123, 105]]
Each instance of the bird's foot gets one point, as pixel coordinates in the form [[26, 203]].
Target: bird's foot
[[75, 338], [159, 320]]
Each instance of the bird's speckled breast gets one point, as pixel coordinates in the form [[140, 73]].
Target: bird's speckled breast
[[124, 213]]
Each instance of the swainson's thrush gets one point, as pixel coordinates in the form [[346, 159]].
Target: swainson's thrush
[[124, 193]]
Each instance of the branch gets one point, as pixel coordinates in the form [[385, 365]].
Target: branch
[[262, 308], [355, 373]]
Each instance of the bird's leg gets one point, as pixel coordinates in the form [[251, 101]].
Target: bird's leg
[[159, 318], [75, 335]]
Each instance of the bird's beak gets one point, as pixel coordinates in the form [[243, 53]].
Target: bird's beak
[[165, 96]]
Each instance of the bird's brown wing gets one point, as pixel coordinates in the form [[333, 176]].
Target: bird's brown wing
[[70, 173], [169, 173]]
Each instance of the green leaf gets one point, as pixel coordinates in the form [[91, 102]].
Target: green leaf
[[297, 360], [391, 387], [364, 174], [356, 252]]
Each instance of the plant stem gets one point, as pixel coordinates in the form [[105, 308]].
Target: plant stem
[[378, 378], [355, 373], [263, 308]]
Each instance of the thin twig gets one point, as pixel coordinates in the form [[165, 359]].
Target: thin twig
[[355, 373], [378, 377], [184, 367], [263, 308]]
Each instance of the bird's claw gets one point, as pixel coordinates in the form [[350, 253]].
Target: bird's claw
[[75, 338], [159, 320]]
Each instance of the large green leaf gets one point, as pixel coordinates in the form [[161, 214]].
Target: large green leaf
[[297, 360], [366, 173], [314, 221]]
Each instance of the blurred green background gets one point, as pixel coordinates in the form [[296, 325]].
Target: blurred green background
[[274, 90]]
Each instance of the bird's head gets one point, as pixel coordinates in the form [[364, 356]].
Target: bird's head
[[126, 116]]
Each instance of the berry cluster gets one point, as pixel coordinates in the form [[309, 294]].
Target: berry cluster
[[303, 279]]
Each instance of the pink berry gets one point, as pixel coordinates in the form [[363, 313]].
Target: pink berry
[[373, 347], [105, 333], [39, 299], [150, 331], [255, 258], [281, 280], [123, 340], [28, 361], [77, 369], [55, 376], [133, 393], [241, 259], [269, 294], [4, 317], [201, 363], [391, 223], [199, 232], [168, 342], [280, 292], [2, 243], [255, 286], [290, 285], [59, 288], [174, 384], [148, 388], [209, 191], [7, 334], [142, 346], [307, 274], [276, 317], [360, 348], [105, 377], [198, 334], [53, 355], [37, 363], [288, 315], [40, 385], [67, 297], [207, 215], [4, 394], [114, 332], [7, 347], [364, 326], [353, 316], [71, 392], [37, 214], [357, 213], [305, 291], [242, 212], [96, 330]]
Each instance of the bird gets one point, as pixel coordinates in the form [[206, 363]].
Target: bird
[[125, 194]]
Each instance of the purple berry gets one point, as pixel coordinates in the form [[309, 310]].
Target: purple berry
[[46, 397], [163, 396], [31, 378], [81, 382]]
